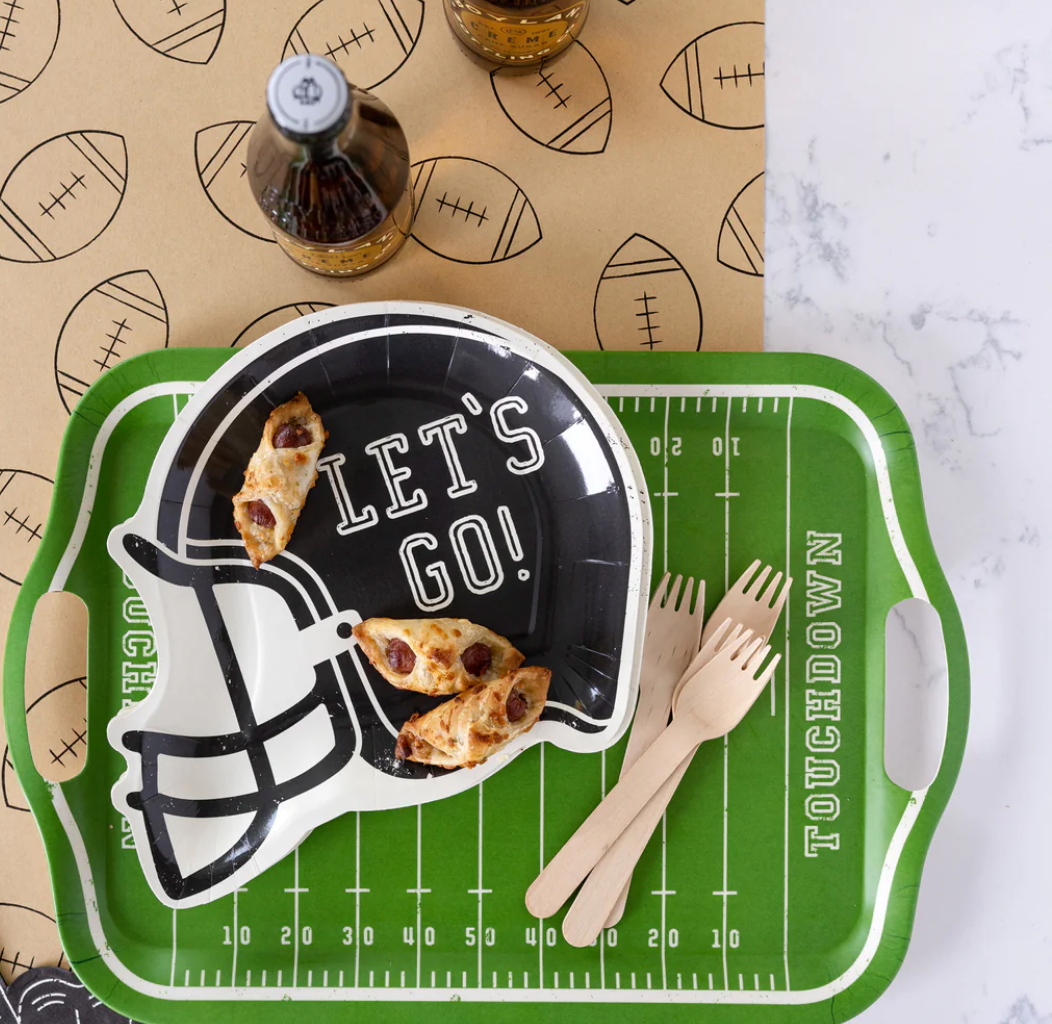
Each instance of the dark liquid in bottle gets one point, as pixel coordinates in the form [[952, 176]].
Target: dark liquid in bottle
[[341, 204], [515, 33]]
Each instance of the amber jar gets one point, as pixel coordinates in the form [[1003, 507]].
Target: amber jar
[[329, 166], [515, 33]]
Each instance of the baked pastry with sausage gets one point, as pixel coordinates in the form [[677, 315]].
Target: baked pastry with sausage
[[476, 724], [435, 656], [280, 473]]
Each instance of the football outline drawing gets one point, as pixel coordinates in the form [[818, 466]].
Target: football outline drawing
[[564, 106], [274, 318], [24, 494], [629, 321], [25, 54], [219, 149], [118, 308], [381, 36], [70, 187], [734, 97], [199, 33], [490, 218], [737, 247]]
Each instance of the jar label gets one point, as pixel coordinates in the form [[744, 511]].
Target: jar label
[[335, 261], [512, 39]]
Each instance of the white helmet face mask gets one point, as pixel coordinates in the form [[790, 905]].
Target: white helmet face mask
[[469, 471]]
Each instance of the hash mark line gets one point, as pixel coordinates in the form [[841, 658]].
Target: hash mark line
[[171, 981], [785, 670], [664, 893]]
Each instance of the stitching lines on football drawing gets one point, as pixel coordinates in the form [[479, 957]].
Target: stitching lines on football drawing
[[6, 21], [344, 45], [65, 191]]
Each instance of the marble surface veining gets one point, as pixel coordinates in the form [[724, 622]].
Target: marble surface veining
[[909, 231]]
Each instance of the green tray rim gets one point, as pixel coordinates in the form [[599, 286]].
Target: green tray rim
[[797, 370]]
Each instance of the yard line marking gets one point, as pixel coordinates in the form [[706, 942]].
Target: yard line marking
[[419, 888], [279, 979], [725, 892], [698, 409], [726, 587], [679, 981], [772, 983], [357, 894], [571, 980], [186, 977], [760, 409], [432, 979], [540, 921], [263, 980], [248, 978], [756, 982], [295, 890], [776, 405], [741, 983], [774, 701], [621, 404], [175, 406], [683, 405], [668, 402], [310, 979], [370, 979], [341, 979], [745, 405], [602, 931], [387, 979], [202, 977], [617, 979], [653, 403], [172, 979], [556, 979], [637, 404], [219, 977], [233, 965], [402, 981], [478, 934], [324, 979], [785, 671], [464, 979], [710, 981], [664, 899], [633, 979], [714, 404], [449, 979], [511, 980]]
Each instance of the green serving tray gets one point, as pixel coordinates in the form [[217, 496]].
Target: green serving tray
[[784, 882]]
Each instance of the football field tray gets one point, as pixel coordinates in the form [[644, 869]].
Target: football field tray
[[783, 883]]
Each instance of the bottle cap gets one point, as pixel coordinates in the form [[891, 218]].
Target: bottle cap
[[307, 95]]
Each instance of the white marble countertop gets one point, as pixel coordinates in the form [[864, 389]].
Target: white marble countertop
[[908, 231]]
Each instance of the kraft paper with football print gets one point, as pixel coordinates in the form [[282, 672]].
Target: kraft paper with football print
[[614, 199]]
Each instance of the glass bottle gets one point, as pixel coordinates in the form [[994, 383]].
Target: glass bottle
[[515, 33], [329, 166]]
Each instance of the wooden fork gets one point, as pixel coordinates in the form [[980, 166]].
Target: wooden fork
[[712, 703], [758, 610], [672, 641]]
